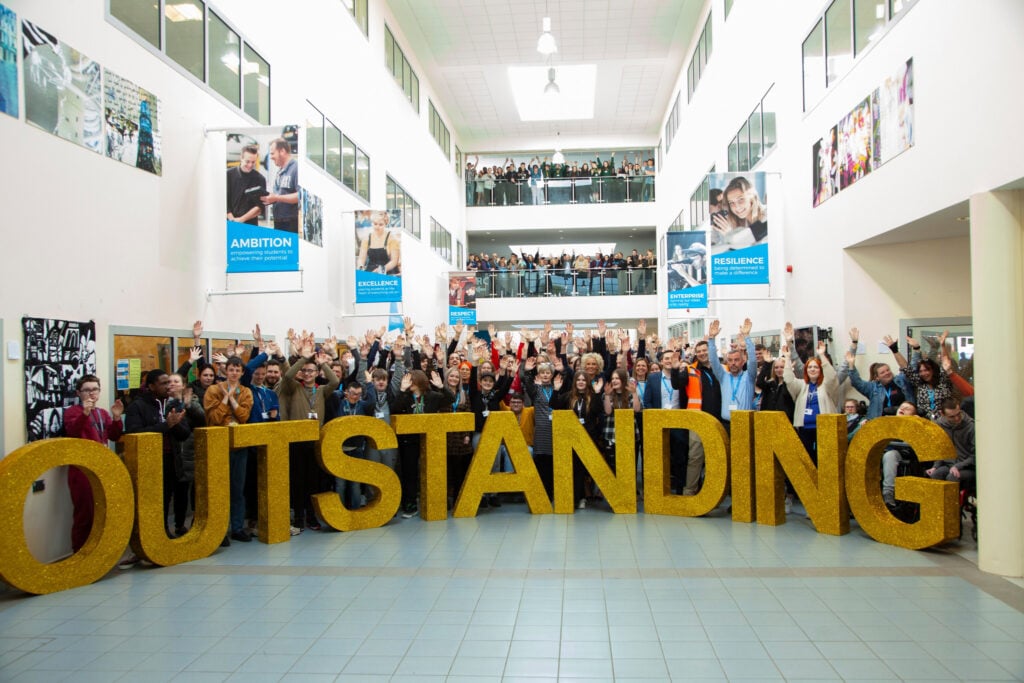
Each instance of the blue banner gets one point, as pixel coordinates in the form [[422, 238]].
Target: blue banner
[[252, 249], [377, 287], [741, 266], [462, 298], [686, 266]]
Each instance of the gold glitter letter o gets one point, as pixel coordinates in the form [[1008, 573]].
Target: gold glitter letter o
[[111, 526]]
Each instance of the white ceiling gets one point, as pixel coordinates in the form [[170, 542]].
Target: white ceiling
[[465, 47]]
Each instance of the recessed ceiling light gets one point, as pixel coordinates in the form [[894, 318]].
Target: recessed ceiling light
[[575, 99]]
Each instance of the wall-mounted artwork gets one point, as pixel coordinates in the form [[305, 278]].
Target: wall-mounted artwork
[[62, 89], [132, 116], [8, 62], [893, 105], [57, 354]]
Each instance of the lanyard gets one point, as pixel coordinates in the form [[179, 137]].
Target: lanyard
[[931, 399], [579, 407], [97, 423], [312, 399], [417, 406], [546, 394], [735, 386], [888, 396]]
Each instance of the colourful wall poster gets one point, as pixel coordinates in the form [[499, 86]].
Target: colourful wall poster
[[62, 89], [121, 378], [855, 141], [892, 104], [462, 298], [252, 249], [57, 354], [312, 217], [738, 228], [379, 257], [132, 117], [825, 167], [8, 62], [687, 269]]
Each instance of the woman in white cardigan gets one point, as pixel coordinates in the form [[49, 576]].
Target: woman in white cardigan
[[817, 393]]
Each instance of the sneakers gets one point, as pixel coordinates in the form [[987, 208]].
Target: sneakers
[[484, 503], [226, 543], [409, 510], [789, 504], [889, 497], [241, 536], [180, 531], [495, 503], [582, 504], [128, 562], [294, 530]]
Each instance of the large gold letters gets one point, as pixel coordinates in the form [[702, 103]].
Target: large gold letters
[[111, 524], [143, 456], [658, 498], [271, 440], [501, 427], [334, 460], [939, 514], [763, 448]]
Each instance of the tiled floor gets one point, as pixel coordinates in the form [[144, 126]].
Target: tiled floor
[[510, 596]]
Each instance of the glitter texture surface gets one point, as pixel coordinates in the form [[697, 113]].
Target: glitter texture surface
[[328, 505], [658, 498], [741, 465], [112, 522], [434, 456]]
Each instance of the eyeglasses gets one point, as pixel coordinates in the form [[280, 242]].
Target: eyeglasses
[[90, 390]]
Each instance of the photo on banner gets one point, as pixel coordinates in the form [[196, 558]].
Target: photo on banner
[[132, 116], [687, 269], [738, 228], [855, 142], [8, 62], [462, 298], [263, 209], [379, 257], [312, 217], [62, 89], [825, 167], [892, 104]]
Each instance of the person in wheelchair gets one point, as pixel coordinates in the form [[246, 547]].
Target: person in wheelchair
[[899, 453], [960, 428]]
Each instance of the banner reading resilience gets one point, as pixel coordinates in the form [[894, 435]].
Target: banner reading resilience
[[687, 268], [379, 259], [262, 207], [462, 298], [738, 210]]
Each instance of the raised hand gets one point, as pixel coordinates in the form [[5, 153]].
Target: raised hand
[[598, 385], [195, 354], [435, 379], [331, 346], [714, 328], [459, 327], [406, 382], [787, 331], [947, 364], [492, 330], [257, 335], [220, 358], [557, 382], [531, 363], [322, 357], [641, 329], [745, 327], [274, 348], [602, 328], [557, 364], [409, 326], [889, 340], [821, 348], [570, 328], [307, 348], [197, 329], [851, 359], [854, 335]]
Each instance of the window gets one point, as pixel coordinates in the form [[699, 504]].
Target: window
[[314, 135], [332, 158], [840, 35], [362, 174], [728, 7], [699, 213], [814, 64], [331, 150], [202, 44], [441, 240], [838, 41], [677, 225], [439, 132], [398, 198], [699, 59], [141, 17], [671, 126], [183, 29], [460, 259], [458, 162], [257, 85], [225, 50], [755, 137], [398, 65], [359, 13]]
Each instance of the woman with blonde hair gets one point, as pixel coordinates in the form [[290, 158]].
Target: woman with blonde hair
[[746, 222]]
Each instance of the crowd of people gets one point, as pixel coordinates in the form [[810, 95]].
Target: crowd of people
[[565, 273], [591, 372], [546, 182]]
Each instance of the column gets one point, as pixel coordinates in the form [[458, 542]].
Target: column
[[997, 292]]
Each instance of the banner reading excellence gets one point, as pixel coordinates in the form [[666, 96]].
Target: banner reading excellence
[[687, 268], [262, 208], [738, 210], [462, 298], [379, 258]]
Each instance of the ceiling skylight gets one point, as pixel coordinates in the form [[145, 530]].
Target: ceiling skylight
[[574, 98]]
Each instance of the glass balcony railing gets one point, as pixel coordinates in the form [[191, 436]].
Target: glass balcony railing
[[600, 190], [497, 284]]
